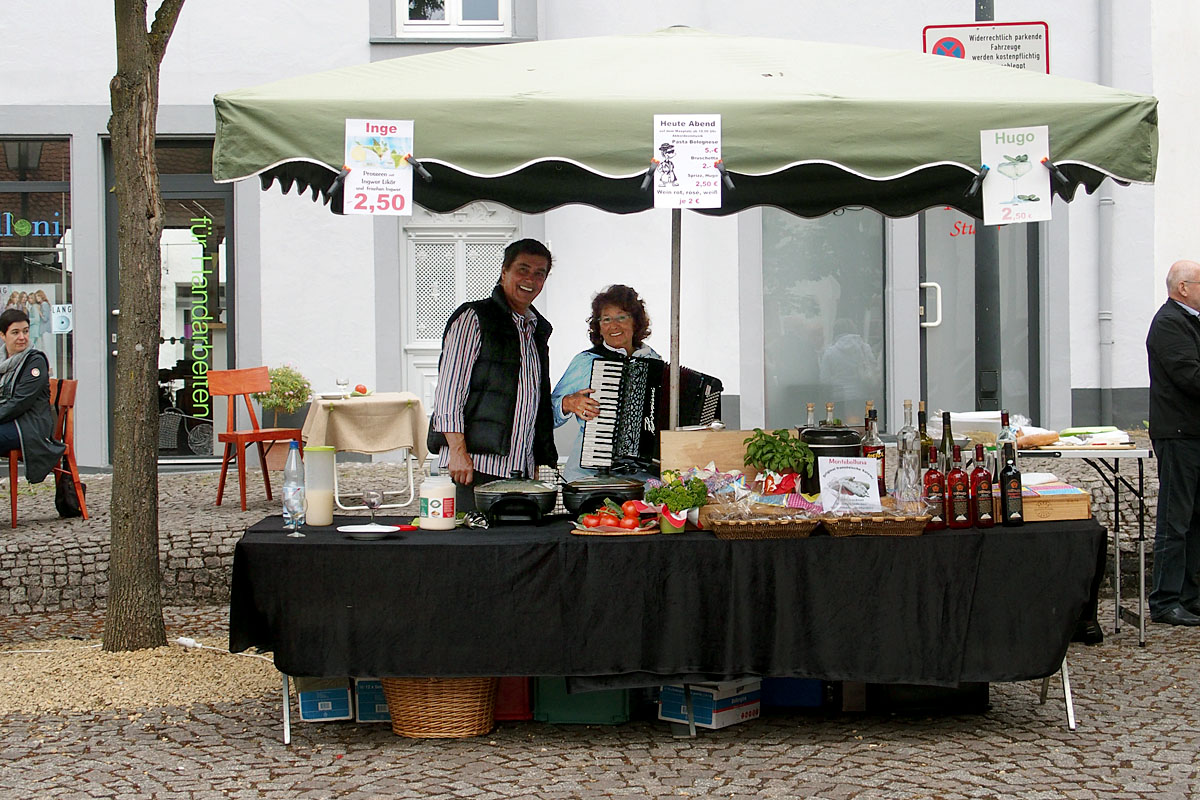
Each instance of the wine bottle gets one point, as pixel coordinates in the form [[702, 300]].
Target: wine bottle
[[934, 494], [1007, 435], [958, 493], [926, 440], [872, 447], [981, 492], [946, 449], [908, 448], [1012, 511]]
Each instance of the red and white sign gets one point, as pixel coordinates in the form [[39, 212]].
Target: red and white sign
[[1020, 45]]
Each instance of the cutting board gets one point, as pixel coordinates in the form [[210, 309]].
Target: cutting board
[[685, 449]]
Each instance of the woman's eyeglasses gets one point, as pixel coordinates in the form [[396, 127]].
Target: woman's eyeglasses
[[620, 319]]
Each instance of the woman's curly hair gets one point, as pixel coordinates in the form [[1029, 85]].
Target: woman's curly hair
[[625, 298]]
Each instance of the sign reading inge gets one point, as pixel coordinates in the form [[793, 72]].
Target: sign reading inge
[[380, 179]]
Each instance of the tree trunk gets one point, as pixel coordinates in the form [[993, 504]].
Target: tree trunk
[[133, 617]]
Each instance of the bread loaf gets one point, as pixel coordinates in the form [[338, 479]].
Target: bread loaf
[[1036, 440]]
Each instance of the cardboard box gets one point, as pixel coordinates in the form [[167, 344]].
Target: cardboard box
[[714, 705], [324, 699], [370, 704], [1050, 501], [686, 449]]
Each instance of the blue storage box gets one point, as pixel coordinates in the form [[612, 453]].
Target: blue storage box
[[714, 705], [792, 693], [370, 704], [323, 699]]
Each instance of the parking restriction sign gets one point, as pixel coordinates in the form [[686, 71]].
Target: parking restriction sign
[[1020, 45]]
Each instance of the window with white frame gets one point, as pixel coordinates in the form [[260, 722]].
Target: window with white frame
[[447, 271], [435, 18]]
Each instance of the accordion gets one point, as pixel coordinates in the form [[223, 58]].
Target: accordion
[[634, 396]]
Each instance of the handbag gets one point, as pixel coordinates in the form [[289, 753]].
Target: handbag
[[65, 499]]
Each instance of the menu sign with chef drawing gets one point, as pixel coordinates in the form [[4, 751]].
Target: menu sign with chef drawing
[[1017, 187], [848, 484], [380, 178], [686, 150]]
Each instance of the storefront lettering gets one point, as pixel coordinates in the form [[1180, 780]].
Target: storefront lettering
[[16, 226], [962, 228], [201, 343]]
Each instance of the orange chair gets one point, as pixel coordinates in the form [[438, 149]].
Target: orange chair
[[233, 383], [62, 397]]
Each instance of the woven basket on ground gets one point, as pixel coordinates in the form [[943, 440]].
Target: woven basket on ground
[[762, 528], [440, 708], [876, 525]]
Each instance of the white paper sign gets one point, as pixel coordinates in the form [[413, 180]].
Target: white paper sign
[[380, 180], [687, 146], [848, 484], [1017, 189], [62, 318]]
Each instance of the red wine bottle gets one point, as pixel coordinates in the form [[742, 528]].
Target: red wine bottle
[[958, 492], [1012, 511], [981, 492], [934, 493]]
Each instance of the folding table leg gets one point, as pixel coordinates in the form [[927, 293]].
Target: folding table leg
[[287, 712], [1066, 682]]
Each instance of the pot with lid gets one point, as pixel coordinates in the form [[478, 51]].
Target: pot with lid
[[515, 499], [586, 494], [828, 441]]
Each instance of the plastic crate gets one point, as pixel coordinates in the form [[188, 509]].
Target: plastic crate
[[514, 699], [792, 693], [551, 703]]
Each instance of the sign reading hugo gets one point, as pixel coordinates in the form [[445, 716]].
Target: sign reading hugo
[[1017, 188], [686, 149], [380, 178]]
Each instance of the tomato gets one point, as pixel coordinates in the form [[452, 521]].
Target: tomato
[[590, 520], [630, 523], [629, 508], [361, 388], [608, 520]]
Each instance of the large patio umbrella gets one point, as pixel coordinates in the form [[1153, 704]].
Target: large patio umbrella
[[806, 127]]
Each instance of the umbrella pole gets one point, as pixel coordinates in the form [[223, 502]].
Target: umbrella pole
[[676, 239]]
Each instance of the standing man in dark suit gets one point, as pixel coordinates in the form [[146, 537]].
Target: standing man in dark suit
[[1173, 346]]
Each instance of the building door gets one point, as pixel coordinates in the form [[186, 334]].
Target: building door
[[980, 332], [196, 327]]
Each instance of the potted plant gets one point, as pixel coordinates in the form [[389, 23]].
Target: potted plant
[[676, 498], [781, 453], [289, 393]]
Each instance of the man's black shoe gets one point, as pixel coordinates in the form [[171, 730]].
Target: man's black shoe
[[1178, 616], [1088, 632], [1192, 607]]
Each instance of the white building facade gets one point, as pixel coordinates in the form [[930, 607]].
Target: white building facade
[[784, 310]]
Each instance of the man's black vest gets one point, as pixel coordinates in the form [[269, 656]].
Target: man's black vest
[[492, 396]]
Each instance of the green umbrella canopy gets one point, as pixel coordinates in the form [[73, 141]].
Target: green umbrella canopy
[[809, 127]]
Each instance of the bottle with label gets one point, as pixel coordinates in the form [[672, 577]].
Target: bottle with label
[[293, 490], [437, 512], [1007, 435], [926, 440], [872, 447], [946, 448], [981, 492], [908, 471], [934, 494], [958, 493], [1012, 511], [829, 422]]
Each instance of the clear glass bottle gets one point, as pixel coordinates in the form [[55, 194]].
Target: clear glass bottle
[[828, 423], [926, 439], [1007, 435], [908, 470], [812, 416], [867, 414], [872, 447]]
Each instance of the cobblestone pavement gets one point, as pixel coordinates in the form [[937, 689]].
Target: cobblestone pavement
[[1138, 736]]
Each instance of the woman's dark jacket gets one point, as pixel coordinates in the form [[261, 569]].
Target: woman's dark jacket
[[492, 396], [27, 403]]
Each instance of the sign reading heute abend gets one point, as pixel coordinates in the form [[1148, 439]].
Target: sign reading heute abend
[[686, 149]]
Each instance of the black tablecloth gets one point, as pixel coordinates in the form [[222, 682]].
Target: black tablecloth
[[939, 609]]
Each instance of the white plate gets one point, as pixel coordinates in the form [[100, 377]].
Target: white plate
[[370, 527], [330, 395]]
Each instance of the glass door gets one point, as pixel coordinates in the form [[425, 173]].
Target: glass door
[[980, 322]]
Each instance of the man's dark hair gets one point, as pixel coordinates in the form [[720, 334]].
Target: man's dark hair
[[10, 316], [530, 247]]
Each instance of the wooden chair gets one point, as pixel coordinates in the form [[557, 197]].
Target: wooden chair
[[62, 398], [234, 383]]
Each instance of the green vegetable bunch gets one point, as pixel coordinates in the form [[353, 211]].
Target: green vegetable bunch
[[677, 495], [778, 452]]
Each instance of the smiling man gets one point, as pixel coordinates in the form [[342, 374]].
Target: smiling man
[[491, 409]]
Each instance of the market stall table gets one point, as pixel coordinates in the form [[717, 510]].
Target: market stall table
[[939, 609], [376, 423], [1107, 464]]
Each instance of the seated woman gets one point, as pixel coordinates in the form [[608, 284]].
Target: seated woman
[[618, 328], [26, 417]]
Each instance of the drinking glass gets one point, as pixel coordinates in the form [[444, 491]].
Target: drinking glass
[[295, 504], [372, 499], [1014, 171], [343, 384]]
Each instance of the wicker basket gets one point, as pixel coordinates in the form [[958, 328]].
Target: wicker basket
[[440, 708], [876, 525], [763, 528]]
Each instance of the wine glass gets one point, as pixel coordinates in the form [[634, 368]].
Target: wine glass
[[372, 499], [294, 504], [1015, 170], [343, 384]]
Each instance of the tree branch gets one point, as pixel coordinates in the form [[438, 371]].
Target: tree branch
[[162, 27]]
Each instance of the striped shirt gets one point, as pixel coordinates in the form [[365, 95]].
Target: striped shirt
[[460, 351]]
